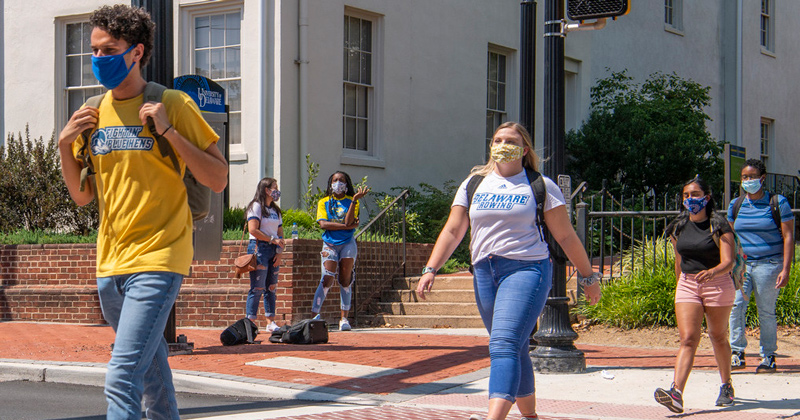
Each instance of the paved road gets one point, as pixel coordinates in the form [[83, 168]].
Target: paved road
[[23, 400]]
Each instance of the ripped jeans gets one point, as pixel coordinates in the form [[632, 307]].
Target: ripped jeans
[[261, 280], [335, 253]]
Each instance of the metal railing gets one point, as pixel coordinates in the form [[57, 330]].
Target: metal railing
[[382, 254], [615, 228]]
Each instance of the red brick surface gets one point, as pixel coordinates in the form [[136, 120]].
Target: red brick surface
[[56, 283]]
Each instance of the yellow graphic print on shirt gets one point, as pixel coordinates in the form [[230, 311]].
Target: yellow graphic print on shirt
[[145, 221]]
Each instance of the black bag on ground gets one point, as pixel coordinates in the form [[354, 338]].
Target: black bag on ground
[[241, 332], [307, 331]]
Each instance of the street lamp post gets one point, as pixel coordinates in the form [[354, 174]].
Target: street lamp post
[[555, 350]]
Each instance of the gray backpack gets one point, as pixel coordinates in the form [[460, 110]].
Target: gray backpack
[[199, 196]]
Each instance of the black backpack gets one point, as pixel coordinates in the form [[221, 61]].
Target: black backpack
[[241, 332], [307, 331], [774, 205], [199, 196], [539, 193]]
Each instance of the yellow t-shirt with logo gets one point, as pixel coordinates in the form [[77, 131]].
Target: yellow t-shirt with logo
[[145, 221]]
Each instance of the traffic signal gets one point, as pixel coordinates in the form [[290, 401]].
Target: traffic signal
[[595, 9]]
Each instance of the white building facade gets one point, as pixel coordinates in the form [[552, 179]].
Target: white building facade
[[405, 91]]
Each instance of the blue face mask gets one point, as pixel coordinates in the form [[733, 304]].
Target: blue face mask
[[110, 70], [695, 205], [751, 186]]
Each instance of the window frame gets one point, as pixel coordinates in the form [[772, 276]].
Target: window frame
[[767, 35], [764, 155], [674, 10], [61, 106], [186, 63], [497, 110], [373, 156]]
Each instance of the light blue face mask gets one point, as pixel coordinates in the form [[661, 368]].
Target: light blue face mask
[[110, 70], [751, 186]]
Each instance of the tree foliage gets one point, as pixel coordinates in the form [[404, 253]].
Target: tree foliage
[[648, 138]]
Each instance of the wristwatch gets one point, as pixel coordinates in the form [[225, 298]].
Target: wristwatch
[[428, 269], [588, 281]]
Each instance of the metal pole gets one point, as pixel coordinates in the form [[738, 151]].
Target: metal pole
[[527, 66], [160, 70], [555, 351]]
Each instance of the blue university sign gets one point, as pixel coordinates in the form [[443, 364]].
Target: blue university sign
[[208, 95]]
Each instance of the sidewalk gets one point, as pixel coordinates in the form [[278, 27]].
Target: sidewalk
[[402, 374]]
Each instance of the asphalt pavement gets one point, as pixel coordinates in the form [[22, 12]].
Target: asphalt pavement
[[384, 374]]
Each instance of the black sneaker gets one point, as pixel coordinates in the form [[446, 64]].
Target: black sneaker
[[737, 360], [725, 398], [672, 399], [767, 365]]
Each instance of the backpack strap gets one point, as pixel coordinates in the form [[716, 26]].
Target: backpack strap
[[774, 205], [539, 193], [737, 205], [83, 152], [472, 186], [153, 92]]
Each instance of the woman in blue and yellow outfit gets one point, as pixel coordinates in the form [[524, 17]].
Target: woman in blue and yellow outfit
[[337, 214]]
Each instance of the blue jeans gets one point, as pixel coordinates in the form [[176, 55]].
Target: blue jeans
[[260, 280], [335, 253], [137, 307], [511, 295], [760, 280]]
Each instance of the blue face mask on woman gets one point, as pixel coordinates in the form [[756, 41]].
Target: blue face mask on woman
[[695, 205], [110, 70], [751, 186]]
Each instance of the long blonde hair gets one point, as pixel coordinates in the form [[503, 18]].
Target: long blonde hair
[[530, 160]]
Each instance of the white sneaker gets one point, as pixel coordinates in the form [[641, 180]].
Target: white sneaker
[[272, 326], [344, 325]]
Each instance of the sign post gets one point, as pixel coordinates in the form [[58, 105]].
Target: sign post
[[734, 157]]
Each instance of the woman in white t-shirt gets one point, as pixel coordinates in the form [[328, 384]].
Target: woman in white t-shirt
[[511, 263], [266, 236]]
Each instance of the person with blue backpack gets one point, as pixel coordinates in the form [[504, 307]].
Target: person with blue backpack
[[508, 205], [765, 224]]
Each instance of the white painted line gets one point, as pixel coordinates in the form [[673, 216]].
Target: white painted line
[[347, 370]]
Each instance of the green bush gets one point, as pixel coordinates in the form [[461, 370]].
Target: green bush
[[42, 237], [33, 195], [233, 219], [644, 295]]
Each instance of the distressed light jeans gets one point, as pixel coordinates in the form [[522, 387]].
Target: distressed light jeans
[[511, 295], [261, 280], [760, 281], [137, 307]]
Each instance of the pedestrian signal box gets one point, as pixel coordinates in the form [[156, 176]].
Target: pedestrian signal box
[[595, 9]]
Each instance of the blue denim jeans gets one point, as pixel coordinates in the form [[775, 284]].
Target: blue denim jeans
[[760, 281], [260, 280], [137, 307], [335, 253], [511, 295]]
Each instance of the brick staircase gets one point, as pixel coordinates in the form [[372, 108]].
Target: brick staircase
[[450, 304]]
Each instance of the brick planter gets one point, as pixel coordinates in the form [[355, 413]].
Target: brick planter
[[56, 283]]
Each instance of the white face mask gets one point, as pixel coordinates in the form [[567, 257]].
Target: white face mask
[[338, 187], [751, 185]]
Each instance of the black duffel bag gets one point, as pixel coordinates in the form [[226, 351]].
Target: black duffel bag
[[307, 331], [241, 332]]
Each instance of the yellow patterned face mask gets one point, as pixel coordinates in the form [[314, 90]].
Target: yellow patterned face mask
[[506, 153]]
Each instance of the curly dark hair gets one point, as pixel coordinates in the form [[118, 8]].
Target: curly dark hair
[[757, 164], [132, 24]]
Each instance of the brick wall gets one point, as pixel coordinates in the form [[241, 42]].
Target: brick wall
[[56, 283]]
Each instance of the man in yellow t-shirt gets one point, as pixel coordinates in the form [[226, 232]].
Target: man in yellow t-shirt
[[144, 242]]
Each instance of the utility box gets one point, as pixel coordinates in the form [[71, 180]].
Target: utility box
[[210, 98]]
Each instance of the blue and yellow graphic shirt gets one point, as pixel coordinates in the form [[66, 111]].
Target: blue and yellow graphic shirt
[[334, 210]]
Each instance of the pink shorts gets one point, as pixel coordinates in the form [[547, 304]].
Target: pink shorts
[[718, 291]]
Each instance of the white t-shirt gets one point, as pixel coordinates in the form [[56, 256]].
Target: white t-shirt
[[503, 217], [270, 224]]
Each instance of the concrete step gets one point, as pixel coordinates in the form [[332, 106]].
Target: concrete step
[[448, 282], [430, 321], [455, 296], [440, 309]]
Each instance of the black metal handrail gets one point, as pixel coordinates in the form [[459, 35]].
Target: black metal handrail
[[382, 253]]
